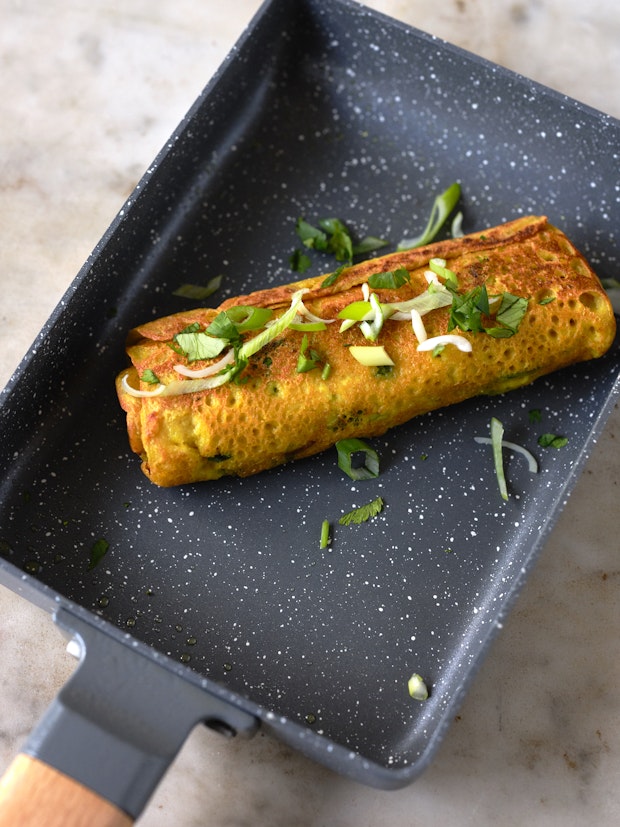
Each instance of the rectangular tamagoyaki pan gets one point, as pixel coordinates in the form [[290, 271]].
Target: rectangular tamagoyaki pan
[[217, 595]]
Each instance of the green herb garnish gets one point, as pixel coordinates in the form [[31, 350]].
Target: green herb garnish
[[333, 236], [441, 209], [324, 542], [390, 280], [469, 310], [328, 281], [198, 291], [246, 318], [347, 449], [417, 688], [306, 362], [149, 377], [200, 345], [299, 262], [535, 415], [497, 435], [363, 513], [97, 552], [552, 441]]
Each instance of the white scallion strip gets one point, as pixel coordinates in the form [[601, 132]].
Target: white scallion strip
[[227, 359], [532, 464], [373, 356], [456, 228], [372, 328], [140, 394], [346, 324], [460, 342], [431, 277], [418, 325], [181, 386], [303, 311], [497, 437], [366, 291]]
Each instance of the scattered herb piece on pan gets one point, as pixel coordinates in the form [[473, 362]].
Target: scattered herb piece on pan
[[347, 449], [497, 441], [363, 513], [333, 236], [325, 539], [198, 291], [440, 211], [97, 552], [307, 360], [417, 687], [299, 262], [497, 435], [535, 415], [552, 441]]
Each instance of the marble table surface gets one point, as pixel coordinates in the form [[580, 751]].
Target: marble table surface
[[89, 92]]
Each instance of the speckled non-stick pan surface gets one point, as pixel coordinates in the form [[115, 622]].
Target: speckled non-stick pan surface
[[323, 109]]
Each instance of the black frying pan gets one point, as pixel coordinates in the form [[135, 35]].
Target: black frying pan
[[323, 109]]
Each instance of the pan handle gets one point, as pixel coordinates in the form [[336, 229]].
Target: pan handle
[[29, 788], [111, 733]]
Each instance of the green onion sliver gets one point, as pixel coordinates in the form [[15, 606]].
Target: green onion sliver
[[417, 687], [532, 463], [497, 435], [309, 327], [441, 209], [347, 448], [424, 303], [248, 318], [324, 534], [255, 344]]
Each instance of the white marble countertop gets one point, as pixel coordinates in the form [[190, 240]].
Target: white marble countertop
[[89, 92]]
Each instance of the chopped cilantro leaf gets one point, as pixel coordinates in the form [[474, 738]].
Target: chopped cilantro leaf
[[535, 415], [552, 441], [299, 262], [512, 309], [200, 345], [149, 377], [391, 279], [363, 513], [97, 552]]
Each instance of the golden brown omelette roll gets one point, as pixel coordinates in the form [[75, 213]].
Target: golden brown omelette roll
[[287, 372]]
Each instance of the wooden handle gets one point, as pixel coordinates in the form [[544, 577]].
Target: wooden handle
[[33, 794]]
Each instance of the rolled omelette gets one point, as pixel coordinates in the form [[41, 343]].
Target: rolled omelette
[[431, 327]]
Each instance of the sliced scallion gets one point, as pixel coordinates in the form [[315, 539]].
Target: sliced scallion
[[441, 209], [532, 463], [258, 342], [347, 449], [497, 435], [372, 356], [417, 687], [248, 318]]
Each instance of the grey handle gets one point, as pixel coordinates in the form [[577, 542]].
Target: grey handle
[[122, 717]]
